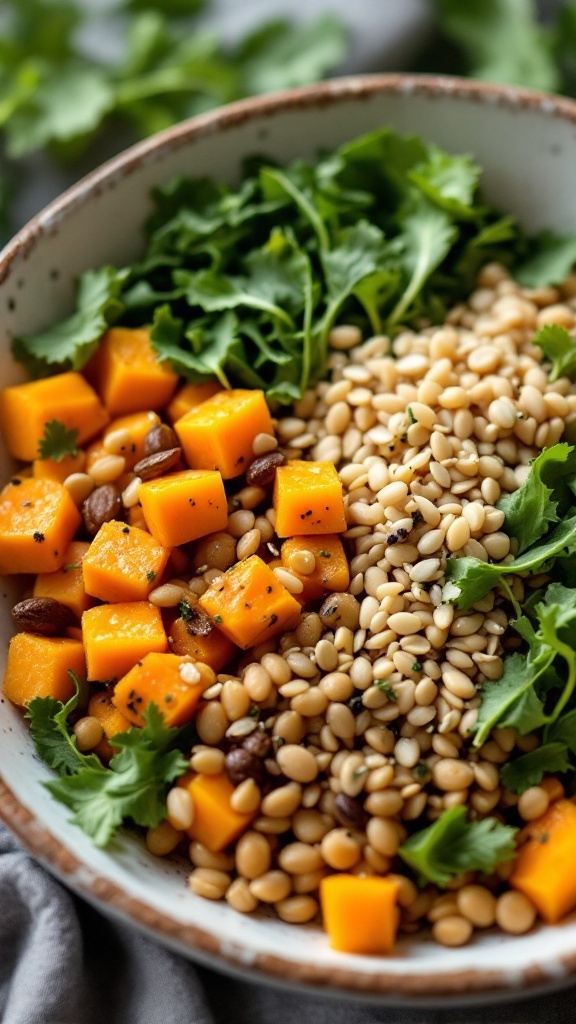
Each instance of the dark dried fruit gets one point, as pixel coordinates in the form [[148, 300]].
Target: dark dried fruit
[[160, 438], [42, 615], [349, 812], [158, 463], [103, 505], [258, 743], [262, 470], [240, 764]]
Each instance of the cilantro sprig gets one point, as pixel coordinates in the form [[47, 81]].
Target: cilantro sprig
[[58, 441]]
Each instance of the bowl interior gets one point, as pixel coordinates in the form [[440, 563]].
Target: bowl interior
[[527, 147]]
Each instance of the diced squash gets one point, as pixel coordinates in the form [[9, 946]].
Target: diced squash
[[219, 433], [49, 469], [26, 408], [544, 867], [181, 507], [173, 683], [38, 666], [249, 604], [308, 499], [216, 824], [66, 585], [100, 706], [38, 520], [360, 914], [137, 424], [189, 396], [330, 573], [201, 640], [123, 563], [127, 374], [116, 636]]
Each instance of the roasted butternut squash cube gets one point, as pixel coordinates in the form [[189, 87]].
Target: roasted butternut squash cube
[[199, 638], [544, 865], [330, 572], [127, 373], [360, 914], [100, 706], [308, 499], [173, 683], [189, 396], [181, 507], [249, 604], [219, 433], [38, 520], [137, 424], [116, 636], [25, 409], [49, 469], [216, 824], [66, 585], [38, 666], [123, 563]]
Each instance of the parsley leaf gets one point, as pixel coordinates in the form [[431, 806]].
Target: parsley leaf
[[559, 348], [532, 509], [452, 846], [58, 441], [134, 787], [530, 769], [69, 344], [54, 741]]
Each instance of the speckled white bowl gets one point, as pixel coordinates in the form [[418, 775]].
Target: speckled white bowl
[[527, 145]]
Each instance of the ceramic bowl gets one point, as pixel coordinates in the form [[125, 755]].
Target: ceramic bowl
[[526, 144]]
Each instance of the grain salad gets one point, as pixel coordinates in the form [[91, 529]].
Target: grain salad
[[310, 629]]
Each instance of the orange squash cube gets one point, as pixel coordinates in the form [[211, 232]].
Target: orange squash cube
[[249, 604], [137, 424], [216, 824], [206, 644], [360, 914], [100, 706], [189, 396], [181, 507], [66, 585], [25, 409], [49, 469], [38, 520], [308, 499], [219, 433], [116, 636], [38, 666], [544, 866], [127, 373], [331, 572], [173, 683], [123, 563]]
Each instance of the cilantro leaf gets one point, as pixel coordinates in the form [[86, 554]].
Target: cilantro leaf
[[529, 511], [69, 344], [549, 262], [559, 348], [58, 441], [280, 55], [452, 846], [133, 788], [54, 741], [529, 770], [427, 237]]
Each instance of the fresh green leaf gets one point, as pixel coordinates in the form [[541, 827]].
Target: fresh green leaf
[[133, 788], [531, 510], [280, 55], [58, 441], [559, 348], [427, 237], [529, 770], [551, 259], [452, 846], [69, 344], [449, 181], [54, 741]]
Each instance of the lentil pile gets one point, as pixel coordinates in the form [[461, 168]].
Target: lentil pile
[[344, 733]]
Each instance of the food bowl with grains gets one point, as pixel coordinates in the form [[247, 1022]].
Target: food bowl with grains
[[288, 536]]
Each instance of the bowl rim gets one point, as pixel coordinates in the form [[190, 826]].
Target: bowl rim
[[452, 986]]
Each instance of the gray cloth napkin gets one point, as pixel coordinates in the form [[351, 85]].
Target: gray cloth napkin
[[61, 962]]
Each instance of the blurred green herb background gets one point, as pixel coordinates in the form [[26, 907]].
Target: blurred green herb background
[[60, 100]]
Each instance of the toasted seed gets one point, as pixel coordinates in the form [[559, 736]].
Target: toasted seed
[[101, 506], [160, 438], [262, 471], [152, 466], [42, 615]]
